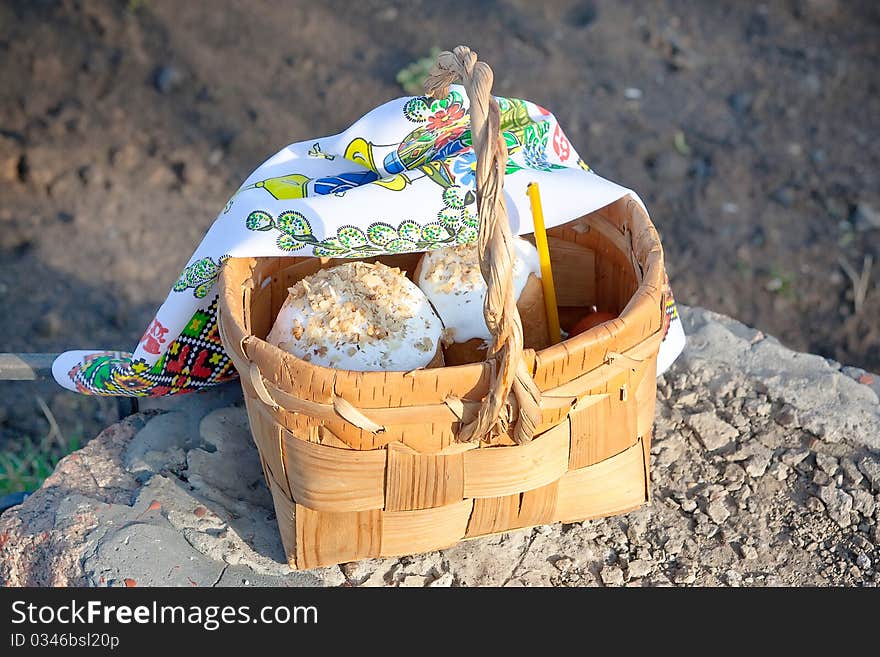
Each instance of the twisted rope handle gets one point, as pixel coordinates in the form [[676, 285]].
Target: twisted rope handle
[[496, 252]]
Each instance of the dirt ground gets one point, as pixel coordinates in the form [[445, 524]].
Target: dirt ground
[[748, 129]]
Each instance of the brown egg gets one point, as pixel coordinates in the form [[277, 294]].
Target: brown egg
[[590, 320]]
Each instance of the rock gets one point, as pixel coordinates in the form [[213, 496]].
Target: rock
[[826, 402], [752, 449], [10, 171], [176, 495], [787, 416], [748, 552], [717, 511], [863, 561], [741, 102], [638, 568], [146, 554], [349, 569], [97, 523], [757, 25], [704, 526], [861, 542], [870, 467], [376, 578], [40, 165], [161, 177], [412, 581], [794, 456], [812, 84], [583, 14], [837, 207], [612, 576], [756, 465], [564, 564], [445, 580], [670, 450], [16, 237], [757, 408], [167, 79], [784, 196], [367, 572], [49, 325], [863, 501], [713, 432], [91, 175], [821, 478], [780, 471], [865, 217], [687, 399], [734, 476], [127, 157], [733, 578], [669, 167], [684, 575], [838, 504], [828, 464]]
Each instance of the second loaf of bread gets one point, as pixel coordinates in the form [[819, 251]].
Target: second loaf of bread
[[452, 281]]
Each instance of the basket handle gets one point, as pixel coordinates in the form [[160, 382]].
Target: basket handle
[[496, 250]]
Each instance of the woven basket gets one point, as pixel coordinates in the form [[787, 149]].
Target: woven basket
[[375, 464]]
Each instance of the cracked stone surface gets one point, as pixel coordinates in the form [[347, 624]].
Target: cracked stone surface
[[765, 471]]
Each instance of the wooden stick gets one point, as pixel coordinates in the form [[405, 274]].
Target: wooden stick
[[26, 367], [544, 257], [38, 367]]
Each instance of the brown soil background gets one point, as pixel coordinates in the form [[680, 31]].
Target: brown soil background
[[108, 182]]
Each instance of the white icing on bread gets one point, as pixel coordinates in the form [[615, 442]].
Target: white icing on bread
[[358, 316], [452, 281]]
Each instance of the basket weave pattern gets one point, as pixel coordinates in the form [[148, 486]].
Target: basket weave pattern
[[373, 464], [343, 492]]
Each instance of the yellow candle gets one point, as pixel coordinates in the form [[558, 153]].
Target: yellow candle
[[544, 259]]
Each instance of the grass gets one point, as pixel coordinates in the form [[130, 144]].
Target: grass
[[781, 283], [26, 462], [412, 77]]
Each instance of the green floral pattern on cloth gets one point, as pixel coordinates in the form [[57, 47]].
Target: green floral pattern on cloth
[[353, 242], [456, 223], [200, 276]]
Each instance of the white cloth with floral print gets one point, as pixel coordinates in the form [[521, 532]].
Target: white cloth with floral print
[[400, 179]]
